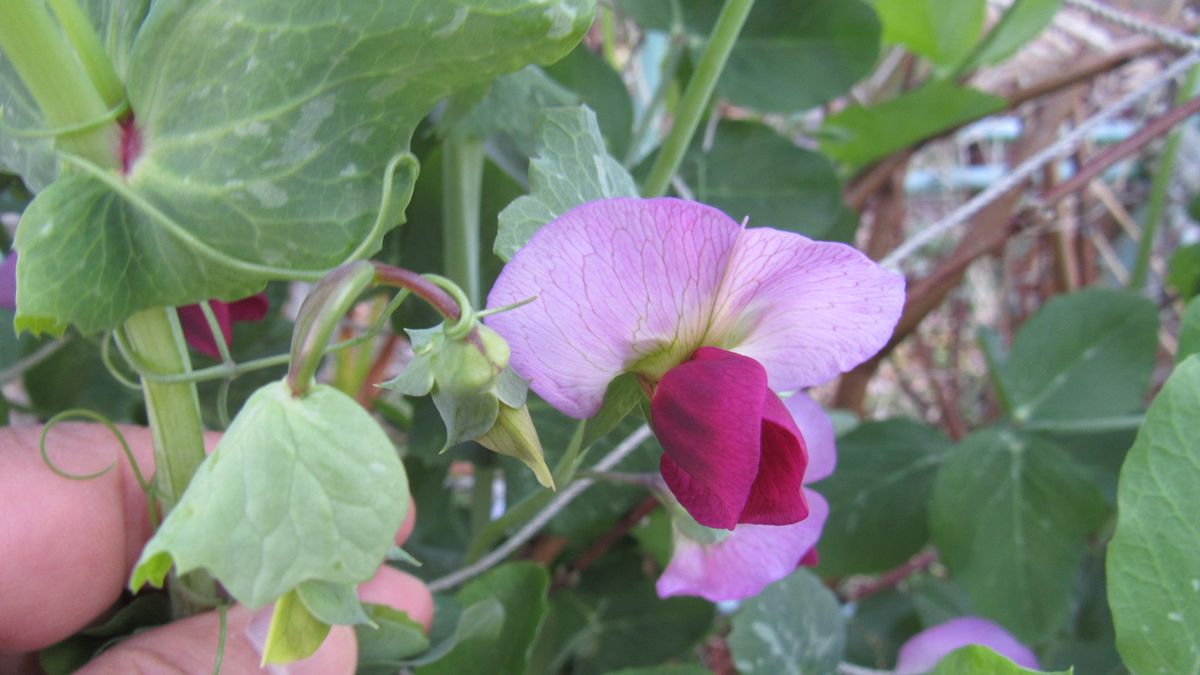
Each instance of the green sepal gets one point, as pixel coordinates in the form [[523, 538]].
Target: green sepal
[[331, 603], [294, 633], [466, 417]]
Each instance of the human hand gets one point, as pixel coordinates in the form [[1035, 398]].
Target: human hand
[[67, 548]]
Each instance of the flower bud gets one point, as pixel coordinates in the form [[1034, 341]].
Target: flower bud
[[514, 435], [470, 365]]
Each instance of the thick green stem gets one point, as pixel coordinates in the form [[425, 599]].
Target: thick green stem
[[52, 72], [696, 96], [462, 187], [173, 409], [90, 51], [1159, 187]]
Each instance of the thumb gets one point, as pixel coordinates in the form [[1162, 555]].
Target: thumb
[[189, 647]]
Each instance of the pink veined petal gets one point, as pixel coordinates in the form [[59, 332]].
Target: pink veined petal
[[817, 430], [744, 563], [806, 310], [776, 497], [615, 280], [922, 652], [707, 414]]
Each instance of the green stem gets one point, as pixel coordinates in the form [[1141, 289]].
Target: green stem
[[462, 188], [678, 41], [608, 30], [59, 82], [173, 409], [1159, 187], [90, 50], [696, 96]]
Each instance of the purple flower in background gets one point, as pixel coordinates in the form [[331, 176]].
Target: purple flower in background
[[923, 651], [195, 328], [751, 557], [714, 318]]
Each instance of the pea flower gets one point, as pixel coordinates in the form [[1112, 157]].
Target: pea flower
[[713, 318], [923, 651], [743, 562]]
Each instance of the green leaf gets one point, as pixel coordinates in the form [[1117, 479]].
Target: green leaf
[[1021, 23], [979, 660], [265, 143], [1189, 332], [478, 627], [294, 633], [1154, 556], [396, 637], [794, 627], [331, 603], [749, 170], [1082, 356], [333, 519], [682, 669], [510, 105], [942, 31], [1184, 271], [878, 496], [600, 88], [789, 56], [1010, 515], [521, 588], [860, 135], [572, 167]]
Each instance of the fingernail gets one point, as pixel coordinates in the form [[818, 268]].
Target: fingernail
[[256, 633]]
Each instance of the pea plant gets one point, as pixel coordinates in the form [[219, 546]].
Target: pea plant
[[623, 296]]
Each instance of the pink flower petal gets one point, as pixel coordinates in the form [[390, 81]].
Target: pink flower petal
[[776, 497], [922, 652], [805, 310], [817, 430], [744, 563], [707, 413], [616, 281], [253, 308]]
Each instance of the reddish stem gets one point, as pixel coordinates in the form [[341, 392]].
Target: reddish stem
[[421, 287], [892, 578]]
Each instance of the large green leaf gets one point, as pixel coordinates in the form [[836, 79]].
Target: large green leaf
[[794, 627], [749, 170], [1020, 24], [860, 135], [789, 56], [299, 489], [116, 23], [601, 89], [521, 588], [1082, 356], [1154, 557], [942, 31], [266, 130], [978, 660], [1010, 515], [1184, 271], [572, 167], [878, 496]]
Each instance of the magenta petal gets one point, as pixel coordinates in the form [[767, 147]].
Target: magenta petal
[[707, 414], [8, 281], [922, 652], [253, 308], [806, 310], [817, 430], [616, 280], [744, 563], [776, 497], [196, 331]]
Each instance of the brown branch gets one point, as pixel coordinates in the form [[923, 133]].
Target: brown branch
[[892, 578], [606, 541]]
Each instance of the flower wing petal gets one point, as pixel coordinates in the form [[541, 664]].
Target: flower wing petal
[[745, 562], [707, 414], [616, 280], [817, 430], [197, 332], [922, 652], [776, 497], [806, 310]]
